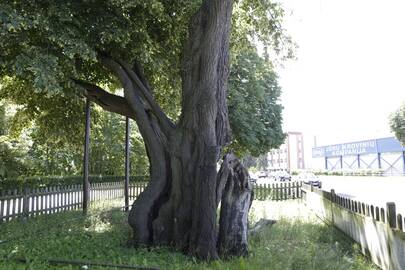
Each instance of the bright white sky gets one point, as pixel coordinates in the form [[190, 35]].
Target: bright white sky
[[350, 72]]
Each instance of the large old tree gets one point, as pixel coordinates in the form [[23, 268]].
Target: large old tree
[[164, 55]]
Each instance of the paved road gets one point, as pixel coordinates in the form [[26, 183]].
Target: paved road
[[373, 190]]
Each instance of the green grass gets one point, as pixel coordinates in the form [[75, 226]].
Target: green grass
[[102, 236]]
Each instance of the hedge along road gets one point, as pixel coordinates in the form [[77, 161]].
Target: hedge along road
[[369, 189]]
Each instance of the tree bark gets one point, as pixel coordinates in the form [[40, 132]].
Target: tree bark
[[179, 206], [235, 204]]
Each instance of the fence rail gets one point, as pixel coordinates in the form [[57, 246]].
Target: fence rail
[[48, 200], [277, 191], [378, 230], [135, 189], [30, 202]]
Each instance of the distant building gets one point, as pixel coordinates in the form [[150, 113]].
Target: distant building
[[289, 156], [384, 154]]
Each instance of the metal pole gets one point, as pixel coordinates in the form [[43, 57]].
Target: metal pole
[[86, 185], [326, 163], [379, 160], [358, 161], [127, 156]]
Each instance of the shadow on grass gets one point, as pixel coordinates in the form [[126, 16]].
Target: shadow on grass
[[102, 236]]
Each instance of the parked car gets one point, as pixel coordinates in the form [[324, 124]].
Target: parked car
[[253, 177], [281, 176], [253, 180], [310, 179]]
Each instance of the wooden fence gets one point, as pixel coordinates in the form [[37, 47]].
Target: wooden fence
[[277, 191], [378, 230], [48, 200], [39, 201], [135, 189]]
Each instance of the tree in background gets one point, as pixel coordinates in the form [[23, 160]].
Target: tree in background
[[12, 163], [254, 109], [47, 153], [107, 147], [171, 58], [397, 123], [2, 120]]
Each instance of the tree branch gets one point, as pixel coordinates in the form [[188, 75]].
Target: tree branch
[[137, 68], [151, 135], [107, 101], [146, 94], [136, 91]]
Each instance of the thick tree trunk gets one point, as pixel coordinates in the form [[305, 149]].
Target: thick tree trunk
[[179, 206], [187, 219]]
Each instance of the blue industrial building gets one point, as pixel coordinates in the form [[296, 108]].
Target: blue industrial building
[[385, 154]]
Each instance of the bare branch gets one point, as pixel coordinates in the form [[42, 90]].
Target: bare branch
[[107, 101]]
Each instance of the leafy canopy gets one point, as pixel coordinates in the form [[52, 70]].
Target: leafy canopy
[[46, 44], [254, 109]]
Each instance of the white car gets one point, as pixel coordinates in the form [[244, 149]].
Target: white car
[[281, 176], [310, 179]]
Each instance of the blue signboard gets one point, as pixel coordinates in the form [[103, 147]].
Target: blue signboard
[[354, 148], [318, 152], [357, 148], [389, 145]]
